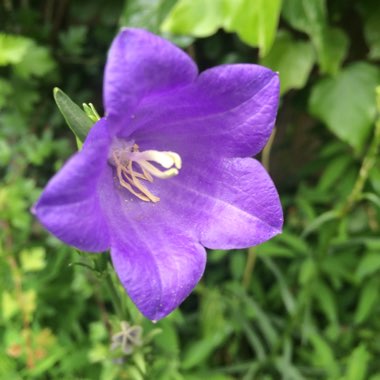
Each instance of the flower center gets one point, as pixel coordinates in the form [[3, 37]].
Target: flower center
[[135, 168]]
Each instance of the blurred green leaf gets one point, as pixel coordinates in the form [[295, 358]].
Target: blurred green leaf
[[322, 219], [371, 27], [310, 17], [324, 357], [147, 14], [307, 271], [292, 59], [12, 48], [9, 306], [369, 297], [237, 264], [5, 91], [196, 17], [200, 350], [37, 61], [326, 299], [33, 259], [307, 16], [358, 364], [72, 40], [346, 103], [332, 48], [212, 311], [255, 22], [167, 340], [335, 169], [287, 370], [75, 118], [374, 178], [373, 198], [287, 296]]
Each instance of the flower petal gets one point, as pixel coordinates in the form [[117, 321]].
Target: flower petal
[[142, 64], [229, 111], [229, 203], [69, 206], [246, 208], [157, 264]]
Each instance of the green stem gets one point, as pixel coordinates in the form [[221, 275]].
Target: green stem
[[249, 267], [114, 294], [265, 157], [252, 256]]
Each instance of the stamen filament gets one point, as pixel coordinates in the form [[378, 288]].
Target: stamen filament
[[130, 178]]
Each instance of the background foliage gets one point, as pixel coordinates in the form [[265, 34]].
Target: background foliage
[[302, 306]]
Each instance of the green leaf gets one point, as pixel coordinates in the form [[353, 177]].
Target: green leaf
[[327, 216], [326, 300], [310, 17], [197, 18], [200, 350], [212, 311], [167, 340], [37, 61], [147, 14], [33, 259], [346, 103], [358, 364], [254, 21], [307, 16], [5, 91], [333, 172], [75, 118], [374, 178], [324, 356], [292, 59], [332, 47], [12, 48], [371, 27], [368, 299], [368, 265], [307, 271], [73, 40]]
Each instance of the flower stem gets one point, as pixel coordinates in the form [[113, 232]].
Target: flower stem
[[249, 266], [252, 256], [114, 294], [265, 157]]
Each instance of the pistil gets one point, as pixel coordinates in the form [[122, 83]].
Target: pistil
[[133, 168]]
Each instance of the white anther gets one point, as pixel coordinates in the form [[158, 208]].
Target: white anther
[[133, 166]]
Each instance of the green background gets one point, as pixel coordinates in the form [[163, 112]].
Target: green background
[[304, 305]]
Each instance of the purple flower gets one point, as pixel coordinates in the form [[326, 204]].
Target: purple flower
[[168, 171]]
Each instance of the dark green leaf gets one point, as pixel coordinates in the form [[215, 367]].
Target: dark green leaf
[[292, 59], [346, 103], [75, 118], [369, 297]]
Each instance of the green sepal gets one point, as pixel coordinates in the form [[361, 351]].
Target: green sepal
[[75, 117], [91, 112]]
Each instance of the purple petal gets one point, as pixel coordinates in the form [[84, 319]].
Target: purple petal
[[229, 111], [69, 206], [246, 208], [142, 64], [230, 203], [157, 263]]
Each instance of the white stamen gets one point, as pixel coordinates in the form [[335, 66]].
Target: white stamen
[[133, 166]]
